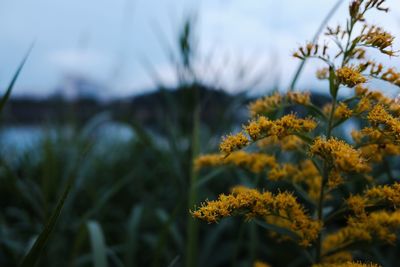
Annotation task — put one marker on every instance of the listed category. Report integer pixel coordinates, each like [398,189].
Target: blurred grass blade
[133,233]
[34,253]
[7,94]
[174,261]
[99,251]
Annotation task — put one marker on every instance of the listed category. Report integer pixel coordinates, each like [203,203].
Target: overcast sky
[109,40]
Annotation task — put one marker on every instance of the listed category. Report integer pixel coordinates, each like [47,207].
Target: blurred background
[119,97]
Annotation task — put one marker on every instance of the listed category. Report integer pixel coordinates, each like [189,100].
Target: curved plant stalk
[315,38]
[10,87]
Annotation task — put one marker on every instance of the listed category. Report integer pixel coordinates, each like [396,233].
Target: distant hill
[146,109]
[153,109]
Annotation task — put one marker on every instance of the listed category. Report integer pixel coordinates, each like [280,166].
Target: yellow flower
[209,160]
[281,172]
[363,105]
[389,193]
[378,117]
[271,103]
[252,203]
[302,98]
[286,125]
[350,76]
[375,144]
[357,204]
[255,162]
[231,143]
[266,104]
[334,179]
[341,155]
[342,111]
[376,37]
[379,226]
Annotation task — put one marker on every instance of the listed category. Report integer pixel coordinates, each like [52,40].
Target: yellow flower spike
[357,204]
[265,105]
[273,102]
[378,116]
[252,203]
[363,105]
[350,76]
[360,90]
[281,172]
[231,143]
[301,98]
[209,160]
[378,38]
[255,162]
[285,126]
[334,179]
[375,144]
[385,193]
[341,155]
[342,111]
[376,226]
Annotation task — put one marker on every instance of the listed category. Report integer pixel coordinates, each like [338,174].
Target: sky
[123,44]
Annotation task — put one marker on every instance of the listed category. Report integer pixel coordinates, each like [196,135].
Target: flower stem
[334,88]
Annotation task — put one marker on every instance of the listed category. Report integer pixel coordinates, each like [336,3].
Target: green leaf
[7,94]
[332,82]
[32,257]
[133,234]
[99,250]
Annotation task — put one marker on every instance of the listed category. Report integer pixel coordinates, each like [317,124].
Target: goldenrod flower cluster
[377,70]
[374,144]
[255,162]
[380,225]
[350,76]
[382,120]
[342,111]
[342,156]
[376,37]
[388,195]
[266,104]
[318,168]
[273,102]
[231,143]
[287,125]
[369,99]
[252,203]
[263,127]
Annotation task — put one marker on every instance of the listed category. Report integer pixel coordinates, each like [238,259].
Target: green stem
[192,225]
[326,169]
